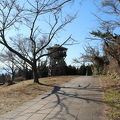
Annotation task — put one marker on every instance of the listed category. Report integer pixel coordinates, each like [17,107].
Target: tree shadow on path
[61,95]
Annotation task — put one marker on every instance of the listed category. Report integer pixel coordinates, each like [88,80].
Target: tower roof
[57,46]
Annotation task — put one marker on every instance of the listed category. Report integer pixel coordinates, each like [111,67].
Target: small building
[57,63]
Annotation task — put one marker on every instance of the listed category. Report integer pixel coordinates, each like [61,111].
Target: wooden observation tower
[57,63]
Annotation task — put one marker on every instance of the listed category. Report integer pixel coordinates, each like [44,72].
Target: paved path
[80,99]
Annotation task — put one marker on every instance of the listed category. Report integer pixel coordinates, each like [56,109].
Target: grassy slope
[112,97]
[15,95]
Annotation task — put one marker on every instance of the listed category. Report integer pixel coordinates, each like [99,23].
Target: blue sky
[80,28]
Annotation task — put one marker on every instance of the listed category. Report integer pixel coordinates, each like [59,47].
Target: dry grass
[13,96]
[111,85]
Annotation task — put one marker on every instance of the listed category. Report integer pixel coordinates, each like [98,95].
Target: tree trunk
[13,76]
[11,81]
[119,64]
[35,74]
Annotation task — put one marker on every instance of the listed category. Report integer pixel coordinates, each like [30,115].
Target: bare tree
[28,18]
[110,8]
[111,44]
[92,55]
[108,26]
[9,65]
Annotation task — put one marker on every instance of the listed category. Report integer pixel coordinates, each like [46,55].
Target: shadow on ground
[61,95]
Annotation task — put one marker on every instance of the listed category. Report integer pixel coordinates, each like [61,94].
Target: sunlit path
[80,99]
